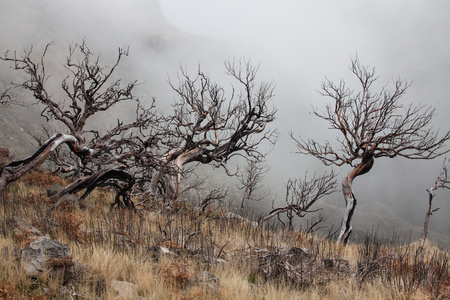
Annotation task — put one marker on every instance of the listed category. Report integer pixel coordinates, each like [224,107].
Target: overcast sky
[302,41]
[298,43]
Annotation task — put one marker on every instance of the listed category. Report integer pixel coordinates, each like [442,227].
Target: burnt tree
[7,98]
[301,195]
[442,182]
[88,89]
[371,125]
[250,181]
[209,126]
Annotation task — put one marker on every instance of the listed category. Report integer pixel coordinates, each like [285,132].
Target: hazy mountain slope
[382,219]
[156,50]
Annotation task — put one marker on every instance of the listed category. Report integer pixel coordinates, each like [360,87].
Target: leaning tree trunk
[350,200]
[17,169]
[172,169]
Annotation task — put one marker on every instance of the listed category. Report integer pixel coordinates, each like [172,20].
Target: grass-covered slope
[155,253]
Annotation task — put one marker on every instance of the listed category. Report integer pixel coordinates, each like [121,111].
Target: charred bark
[441,182]
[427,216]
[350,200]
[279,210]
[118,179]
[96,157]
[16,169]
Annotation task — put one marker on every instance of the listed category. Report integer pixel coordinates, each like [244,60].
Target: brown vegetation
[166,254]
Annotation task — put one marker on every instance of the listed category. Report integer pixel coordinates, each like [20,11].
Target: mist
[297,43]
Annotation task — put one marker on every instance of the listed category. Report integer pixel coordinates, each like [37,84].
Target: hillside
[155,253]
[155,49]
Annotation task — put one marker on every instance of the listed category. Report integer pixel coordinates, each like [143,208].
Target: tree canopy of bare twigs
[250,181]
[89,88]
[442,182]
[371,125]
[209,126]
[301,194]
[7,98]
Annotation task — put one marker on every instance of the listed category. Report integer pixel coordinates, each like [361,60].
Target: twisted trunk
[346,228]
[17,169]
[172,168]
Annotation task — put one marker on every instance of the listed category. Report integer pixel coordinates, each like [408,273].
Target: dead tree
[88,89]
[7,97]
[442,182]
[209,126]
[250,181]
[301,195]
[371,125]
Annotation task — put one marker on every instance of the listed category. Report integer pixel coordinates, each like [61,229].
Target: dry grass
[114,245]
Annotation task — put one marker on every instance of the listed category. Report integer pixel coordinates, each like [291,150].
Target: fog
[297,43]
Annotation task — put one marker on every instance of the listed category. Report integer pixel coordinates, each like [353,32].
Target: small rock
[124,289]
[21,226]
[155,252]
[52,191]
[206,279]
[67,201]
[45,253]
[165,250]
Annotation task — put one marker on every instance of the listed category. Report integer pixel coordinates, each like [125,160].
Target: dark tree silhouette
[7,98]
[208,126]
[250,181]
[371,125]
[88,89]
[301,195]
[442,182]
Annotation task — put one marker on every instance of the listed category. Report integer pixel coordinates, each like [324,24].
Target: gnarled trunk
[17,169]
[350,200]
[172,169]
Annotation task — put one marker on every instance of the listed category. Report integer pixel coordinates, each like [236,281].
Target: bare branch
[302,194]
[371,125]
[209,126]
[88,89]
[442,182]
[375,123]
[250,180]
